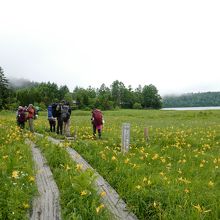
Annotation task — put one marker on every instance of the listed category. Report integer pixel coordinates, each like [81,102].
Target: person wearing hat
[20,116]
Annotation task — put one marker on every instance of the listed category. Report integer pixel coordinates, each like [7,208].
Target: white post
[125,137]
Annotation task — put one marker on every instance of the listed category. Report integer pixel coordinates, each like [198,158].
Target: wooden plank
[46,205]
[112,200]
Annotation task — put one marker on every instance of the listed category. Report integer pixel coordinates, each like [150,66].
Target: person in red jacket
[97,121]
[30,117]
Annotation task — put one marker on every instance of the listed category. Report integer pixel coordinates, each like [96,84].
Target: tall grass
[79,199]
[17,181]
[173,175]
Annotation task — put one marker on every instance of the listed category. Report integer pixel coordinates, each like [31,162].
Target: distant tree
[117,91]
[138,97]
[62,92]
[69,98]
[81,97]
[151,98]
[4,90]
[137,106]
[92,96]
[103,100]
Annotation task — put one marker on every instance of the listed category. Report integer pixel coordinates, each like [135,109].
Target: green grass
[17,182]
[79,199]
[175,175]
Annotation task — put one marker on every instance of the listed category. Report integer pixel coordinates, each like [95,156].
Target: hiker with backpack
[51,118]
[21,117]
[97,122]
[65,115]
[31,116]
[59,118]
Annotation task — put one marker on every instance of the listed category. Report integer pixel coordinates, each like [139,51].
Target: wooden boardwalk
[46,205]
[112,200]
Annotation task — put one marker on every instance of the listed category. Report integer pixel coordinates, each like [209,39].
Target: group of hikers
[59,113]
[24,114]
[58,117]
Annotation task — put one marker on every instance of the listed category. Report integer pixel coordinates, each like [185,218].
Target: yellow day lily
[83,193]
[15,174]
[103,193]
[26,205]
[98,209]
[79,167]
[210,184]
[31,179]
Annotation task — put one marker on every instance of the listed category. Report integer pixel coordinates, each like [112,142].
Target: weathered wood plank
[46,205]
[112,200]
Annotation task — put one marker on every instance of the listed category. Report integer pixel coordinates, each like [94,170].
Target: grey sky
[174,45]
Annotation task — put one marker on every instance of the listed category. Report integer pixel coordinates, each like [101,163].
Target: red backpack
[97,115]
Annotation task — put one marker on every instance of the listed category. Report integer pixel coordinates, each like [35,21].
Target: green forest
[24,92]
[42,94]
[192,100]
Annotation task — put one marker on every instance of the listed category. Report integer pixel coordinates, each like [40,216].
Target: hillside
[192,100]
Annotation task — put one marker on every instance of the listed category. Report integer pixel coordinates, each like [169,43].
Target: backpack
[54,110]
[21,117]
[65,115]
[97,115]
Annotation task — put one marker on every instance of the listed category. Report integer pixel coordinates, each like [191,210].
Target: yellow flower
[163,160]
[67,167]
[201,209]
[162,173]
[79,167]
[184,180]
[26,205]
[126,160]
[5,157]
[98,209]
[113,158]
[210,184]
[149,182]
[31,178]
[138,187]
[83,193]
[103,156]
[198,207]
[186,190]
[165,178]
[155,156]
[15,174]
[103,193]
[145,179]
[134,165]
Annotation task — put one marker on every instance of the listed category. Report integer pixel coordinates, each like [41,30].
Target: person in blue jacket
[51,119]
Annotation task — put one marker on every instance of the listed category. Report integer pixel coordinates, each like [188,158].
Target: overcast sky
[172,44]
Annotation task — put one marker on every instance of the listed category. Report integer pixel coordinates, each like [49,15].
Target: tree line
[105,98]
[192,100]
